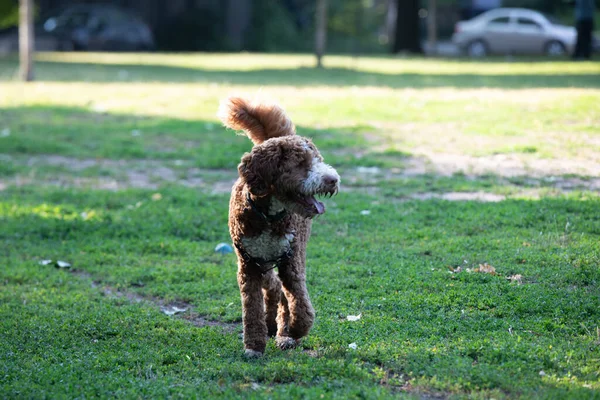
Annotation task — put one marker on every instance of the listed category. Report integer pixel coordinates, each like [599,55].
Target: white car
[514,31]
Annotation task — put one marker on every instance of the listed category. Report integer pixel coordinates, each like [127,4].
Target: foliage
[356,26]
[274,28]
[198,29]
[353,26]
[9,13]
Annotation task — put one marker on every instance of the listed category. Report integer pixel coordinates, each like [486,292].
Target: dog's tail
[259,120]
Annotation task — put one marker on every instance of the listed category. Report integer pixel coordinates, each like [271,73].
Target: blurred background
[353,26]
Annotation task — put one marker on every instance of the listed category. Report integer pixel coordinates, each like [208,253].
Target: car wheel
[555,48]
[477,49]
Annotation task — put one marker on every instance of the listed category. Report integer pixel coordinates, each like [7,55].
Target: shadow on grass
[84,133]
[56,71]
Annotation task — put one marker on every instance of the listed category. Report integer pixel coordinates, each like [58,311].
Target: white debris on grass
[354,317]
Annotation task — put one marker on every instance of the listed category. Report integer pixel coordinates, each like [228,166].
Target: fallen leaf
[515,278]
[354,317]
[486,269]
[454,270]
[156,196]
[173,310]
[63,264]
[45,262]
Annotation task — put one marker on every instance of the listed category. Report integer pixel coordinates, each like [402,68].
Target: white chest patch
[267,246]
[275,207]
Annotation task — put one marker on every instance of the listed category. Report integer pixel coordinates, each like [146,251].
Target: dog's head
[291,169]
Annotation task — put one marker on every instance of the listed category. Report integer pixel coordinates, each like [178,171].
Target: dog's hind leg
[255,327]
[271,286]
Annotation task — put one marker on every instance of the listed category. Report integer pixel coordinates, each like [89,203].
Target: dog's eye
[304,162]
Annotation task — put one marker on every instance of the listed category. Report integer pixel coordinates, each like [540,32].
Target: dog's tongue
[319,207]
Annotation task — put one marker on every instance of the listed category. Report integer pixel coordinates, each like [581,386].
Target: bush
[199,29]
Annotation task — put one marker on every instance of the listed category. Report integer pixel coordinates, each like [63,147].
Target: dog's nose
[330,180]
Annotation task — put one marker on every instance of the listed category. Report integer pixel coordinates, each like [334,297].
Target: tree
[321,31]
[26,39]
[432,26]
[407,27]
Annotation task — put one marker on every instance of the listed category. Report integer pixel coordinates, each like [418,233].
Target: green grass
[387,247]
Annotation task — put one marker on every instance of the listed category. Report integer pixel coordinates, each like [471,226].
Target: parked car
[514,31]
[85,27]
[9,41]
[100,27]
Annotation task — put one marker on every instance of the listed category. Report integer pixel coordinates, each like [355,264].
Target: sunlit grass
[387,65]
[527,123]
[389,247]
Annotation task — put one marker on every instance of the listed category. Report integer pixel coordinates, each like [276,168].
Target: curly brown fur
[270,214]
[260,121]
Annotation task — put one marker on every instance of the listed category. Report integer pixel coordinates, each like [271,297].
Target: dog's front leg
[255,327]
[300,315]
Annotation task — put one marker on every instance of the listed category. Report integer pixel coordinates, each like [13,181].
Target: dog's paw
[285,342]
[249,353]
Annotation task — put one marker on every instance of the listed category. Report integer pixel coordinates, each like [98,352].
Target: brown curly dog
[270,214]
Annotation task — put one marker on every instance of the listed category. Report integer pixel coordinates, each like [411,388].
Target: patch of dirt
[178,309]
[460,196]
[123,174]
[151,174]
[557,174]
[311,353]
[501,165]
[200,321]
[510,166]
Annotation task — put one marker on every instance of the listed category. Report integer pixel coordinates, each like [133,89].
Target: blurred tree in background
[9,13]
[197,28]
[353,26]
[408,30]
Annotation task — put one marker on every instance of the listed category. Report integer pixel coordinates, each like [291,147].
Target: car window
[116,17]
[499,21]
[76,19]
[528,22]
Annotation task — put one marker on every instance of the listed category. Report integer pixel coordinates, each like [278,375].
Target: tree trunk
[26,40]
[407,35]
[321,31]
[432,26]
[239,13]
[390,19]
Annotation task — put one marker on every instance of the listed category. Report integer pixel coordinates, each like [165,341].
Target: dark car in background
[100,28]
[87,28]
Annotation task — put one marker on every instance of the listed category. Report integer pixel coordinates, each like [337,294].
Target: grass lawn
[466,234]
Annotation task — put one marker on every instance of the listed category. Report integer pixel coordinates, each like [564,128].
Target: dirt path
[561,175]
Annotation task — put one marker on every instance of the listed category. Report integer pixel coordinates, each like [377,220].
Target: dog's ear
[259,169]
